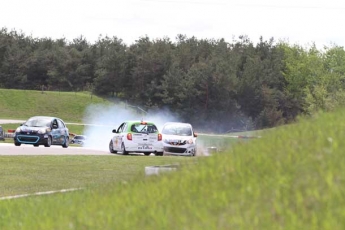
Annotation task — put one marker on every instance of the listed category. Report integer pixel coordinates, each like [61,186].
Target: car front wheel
[49,142]
[66,143]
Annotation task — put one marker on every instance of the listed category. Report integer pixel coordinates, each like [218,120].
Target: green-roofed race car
[136,137]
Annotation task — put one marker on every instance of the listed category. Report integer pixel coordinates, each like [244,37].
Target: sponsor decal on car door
[118,141]
[118,136]
[115,142]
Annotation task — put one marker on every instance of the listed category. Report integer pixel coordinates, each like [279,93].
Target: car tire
[111,147]
[66,144]
[49,142]
[17,143]
[36,145]
[159,153]
[123,149]
[147,154]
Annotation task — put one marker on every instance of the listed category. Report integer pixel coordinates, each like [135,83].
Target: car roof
[177,123]
[44,117]
[139,121]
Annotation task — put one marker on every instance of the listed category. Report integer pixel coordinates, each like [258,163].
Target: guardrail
[8,135]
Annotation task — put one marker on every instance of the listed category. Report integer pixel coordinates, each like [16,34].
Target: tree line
[213,84]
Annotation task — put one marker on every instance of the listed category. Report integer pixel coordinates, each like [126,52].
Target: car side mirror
[114,131]
[195,135]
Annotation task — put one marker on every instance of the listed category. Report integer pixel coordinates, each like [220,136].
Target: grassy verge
[22,104]
[291,178]
[29,174]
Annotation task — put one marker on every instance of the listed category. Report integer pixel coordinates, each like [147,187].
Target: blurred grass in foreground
[291,178]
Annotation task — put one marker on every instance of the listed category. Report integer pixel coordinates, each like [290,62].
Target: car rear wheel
[36,145]
[49,142]
[66,143]
[111,147]
[147,154]
[17,143]
[123,149]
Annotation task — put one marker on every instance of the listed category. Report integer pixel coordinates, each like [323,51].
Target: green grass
[30,174]
[291,178]
[222,142]
[22,104]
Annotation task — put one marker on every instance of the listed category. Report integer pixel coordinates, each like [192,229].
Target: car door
[56,134]
[63,132]
[118,137]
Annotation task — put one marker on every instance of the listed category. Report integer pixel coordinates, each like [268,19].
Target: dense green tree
[15,50]
[110,70]
[82,63]
[214,84]
[150,60]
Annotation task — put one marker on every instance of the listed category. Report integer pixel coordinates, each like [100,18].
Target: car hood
[177,137]
[28,128]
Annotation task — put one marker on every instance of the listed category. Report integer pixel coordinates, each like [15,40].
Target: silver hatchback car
[179,139]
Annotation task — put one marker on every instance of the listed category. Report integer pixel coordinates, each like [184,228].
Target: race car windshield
[177,130]
[38,123]
[142,128]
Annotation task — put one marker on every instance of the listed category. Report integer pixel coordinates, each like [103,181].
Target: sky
[301,22]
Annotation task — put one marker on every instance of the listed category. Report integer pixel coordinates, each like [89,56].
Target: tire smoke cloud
[101,119]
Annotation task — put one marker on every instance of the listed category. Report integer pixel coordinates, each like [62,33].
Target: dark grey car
[2,134]
[42,130]
[78,139]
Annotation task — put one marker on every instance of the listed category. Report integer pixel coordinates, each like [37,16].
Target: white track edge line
[39,193]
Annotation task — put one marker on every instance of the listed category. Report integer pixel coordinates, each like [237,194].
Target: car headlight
[18,130]
[190,141]
[42,131]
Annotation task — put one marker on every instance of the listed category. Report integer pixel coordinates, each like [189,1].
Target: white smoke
[101,119]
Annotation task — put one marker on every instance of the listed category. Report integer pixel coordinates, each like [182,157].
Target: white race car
[179,139]
[136,137]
